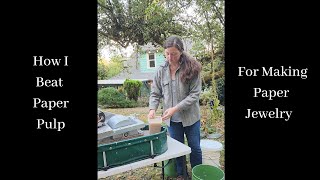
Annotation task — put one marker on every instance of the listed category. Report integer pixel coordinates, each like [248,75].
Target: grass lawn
[150,172]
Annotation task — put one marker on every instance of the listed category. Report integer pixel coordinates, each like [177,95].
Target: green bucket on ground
[170,168]
[207,172]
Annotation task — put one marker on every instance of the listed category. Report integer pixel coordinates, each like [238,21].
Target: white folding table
[175,149]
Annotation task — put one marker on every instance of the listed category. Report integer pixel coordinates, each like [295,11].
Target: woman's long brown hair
[189,66]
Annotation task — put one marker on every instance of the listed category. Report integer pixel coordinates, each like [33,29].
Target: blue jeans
[192,132]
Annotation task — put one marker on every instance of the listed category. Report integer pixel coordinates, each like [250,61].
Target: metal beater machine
[115,127]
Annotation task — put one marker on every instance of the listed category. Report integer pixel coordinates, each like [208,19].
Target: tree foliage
[208,27]
[107,70]
[135,22]
[102,70]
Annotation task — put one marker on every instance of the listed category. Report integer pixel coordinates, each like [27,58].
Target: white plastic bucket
[210,152]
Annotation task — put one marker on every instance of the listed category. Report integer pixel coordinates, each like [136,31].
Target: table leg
[162,164]
[184,167]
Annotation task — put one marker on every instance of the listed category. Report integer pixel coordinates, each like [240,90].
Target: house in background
[141,66]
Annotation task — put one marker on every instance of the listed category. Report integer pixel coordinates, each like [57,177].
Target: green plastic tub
[132,150]
[207,172]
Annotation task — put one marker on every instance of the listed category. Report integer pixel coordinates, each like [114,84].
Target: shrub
[132,88]
[205,96]
[111,98]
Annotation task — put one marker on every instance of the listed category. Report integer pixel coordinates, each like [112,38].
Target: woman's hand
[169,112]
[151,114]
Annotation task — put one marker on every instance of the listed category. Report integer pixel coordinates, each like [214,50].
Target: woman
[178,83]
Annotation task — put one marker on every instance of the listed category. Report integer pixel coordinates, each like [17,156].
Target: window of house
[151,60]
